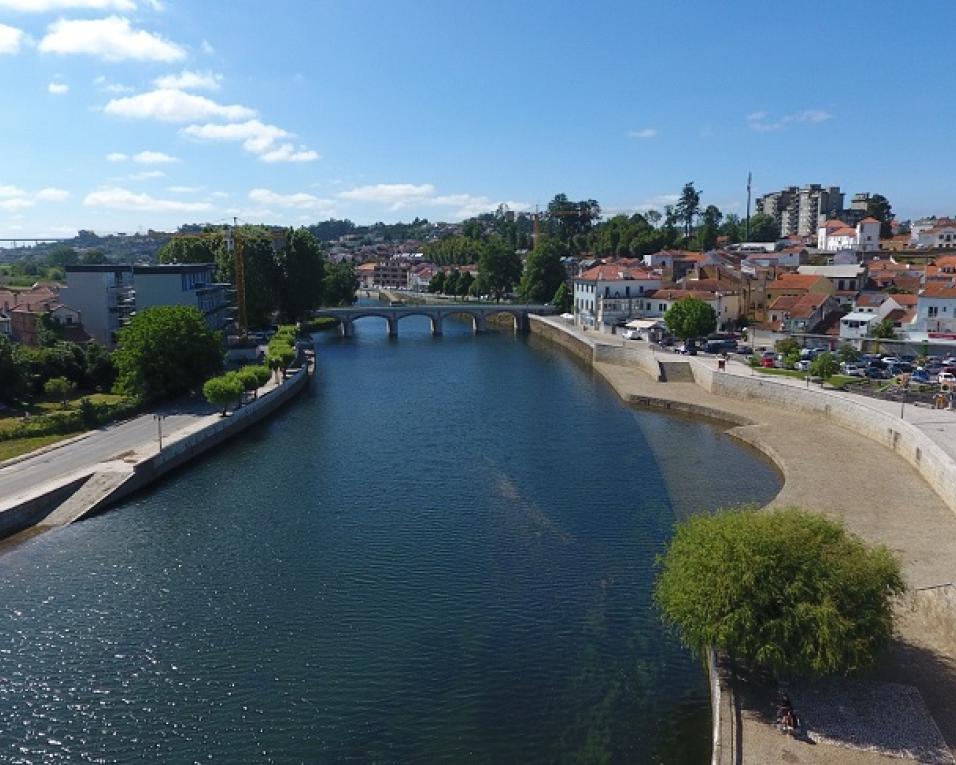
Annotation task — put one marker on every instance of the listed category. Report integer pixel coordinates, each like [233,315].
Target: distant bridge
[478,313]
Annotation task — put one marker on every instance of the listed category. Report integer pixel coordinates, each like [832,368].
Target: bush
[321,324]
[252,377]
[824,366]
[86,417]
[787,345]
[59,388]
[786,590]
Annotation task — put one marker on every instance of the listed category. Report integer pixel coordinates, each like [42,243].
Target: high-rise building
[798,211]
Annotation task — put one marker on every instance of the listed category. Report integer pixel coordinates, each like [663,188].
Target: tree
[763,228]
[878,206]
[249,376]
[884,330]
[301,270]
[847,352]
[166,351]
[688,206]
[465,282]
[824,366]
[732,228]
[13,378]
[340,284]
[690,318]
[543,272]
[451,282]
[562,299]
[223,390]
[788,591]
[98,366]
[437,283]
[93,258]
[499,268]
[200,248]
[786,345]
[59,388]
[707,234]
[262,274]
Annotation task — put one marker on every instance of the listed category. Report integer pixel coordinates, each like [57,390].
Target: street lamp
[159,427]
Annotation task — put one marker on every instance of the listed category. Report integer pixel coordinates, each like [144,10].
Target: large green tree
[562,299]
[198,248]
[788,591]
[878,206]
[301,271]
[499,268]
[340,284]
[566,219]
[224,390]
[262,274]
[13,374]
[543,272]
[763,228]
[688,206]
[690,318]
[166,351]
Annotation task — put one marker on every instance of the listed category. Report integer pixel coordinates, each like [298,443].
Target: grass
[837,381]
[11,419]
[18,446]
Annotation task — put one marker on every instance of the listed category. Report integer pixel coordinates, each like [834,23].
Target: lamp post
[159,428]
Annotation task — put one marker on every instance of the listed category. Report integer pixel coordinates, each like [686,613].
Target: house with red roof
[612,292]
[835,235]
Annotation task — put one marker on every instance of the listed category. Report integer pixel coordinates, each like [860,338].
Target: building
[726,306]
[798,314]
[392,273]
[25,321]
[190,284]
[936,309]
[939,236]
[607,294]
[795,285]
[798,211]
[849,278]
[103,294]
[835,235]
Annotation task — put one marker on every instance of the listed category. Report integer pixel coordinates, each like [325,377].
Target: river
[443,553]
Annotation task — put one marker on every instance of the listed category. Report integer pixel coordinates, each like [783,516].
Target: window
[932,311]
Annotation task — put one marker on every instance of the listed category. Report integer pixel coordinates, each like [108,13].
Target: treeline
[284,276]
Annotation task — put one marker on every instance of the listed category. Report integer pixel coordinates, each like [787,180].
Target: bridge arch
[519,318]
[477,317]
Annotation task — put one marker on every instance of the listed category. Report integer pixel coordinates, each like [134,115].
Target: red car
[767,362]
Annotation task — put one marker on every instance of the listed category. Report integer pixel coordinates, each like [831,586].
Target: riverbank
[827,468]
[76,491]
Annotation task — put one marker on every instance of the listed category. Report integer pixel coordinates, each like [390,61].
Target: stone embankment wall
[193,444]
[930,460]
[32,511]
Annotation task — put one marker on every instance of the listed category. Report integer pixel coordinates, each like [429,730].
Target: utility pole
[749,178]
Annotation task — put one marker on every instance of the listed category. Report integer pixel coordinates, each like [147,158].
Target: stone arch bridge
[479,315]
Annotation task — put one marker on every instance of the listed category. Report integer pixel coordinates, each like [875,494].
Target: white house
[940,236]
[835,235]
[607,294]
[857,325]
[726,306]
[936,309]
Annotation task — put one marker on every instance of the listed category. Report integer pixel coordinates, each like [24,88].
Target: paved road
[24,477]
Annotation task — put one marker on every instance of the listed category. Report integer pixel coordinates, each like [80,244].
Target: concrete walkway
[876,493]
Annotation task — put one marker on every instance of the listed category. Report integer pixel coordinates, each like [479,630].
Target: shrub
[59,388]
[824,366]
[785,590]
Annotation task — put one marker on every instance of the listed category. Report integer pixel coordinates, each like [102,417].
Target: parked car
[768,355]
[745,350]
[631,334]
[803,365]
[687,350]
[767,362]
[876,373]
[947,378]
[920,376]
[853,370]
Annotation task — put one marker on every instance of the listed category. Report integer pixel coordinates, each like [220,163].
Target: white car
[631,334]
[946,377]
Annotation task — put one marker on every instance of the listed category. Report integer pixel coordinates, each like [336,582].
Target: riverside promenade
[830,469]
[61,483]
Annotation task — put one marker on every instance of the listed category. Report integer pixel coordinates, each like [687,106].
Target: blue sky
[120,115]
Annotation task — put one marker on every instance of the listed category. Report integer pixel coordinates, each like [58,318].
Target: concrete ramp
[676,371]
[90,496]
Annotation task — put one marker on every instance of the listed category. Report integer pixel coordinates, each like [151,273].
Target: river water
[443,553]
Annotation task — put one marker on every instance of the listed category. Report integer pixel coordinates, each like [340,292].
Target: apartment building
[798,211]
[192,284]
[103,294]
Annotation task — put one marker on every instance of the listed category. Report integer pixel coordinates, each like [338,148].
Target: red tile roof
[613,272]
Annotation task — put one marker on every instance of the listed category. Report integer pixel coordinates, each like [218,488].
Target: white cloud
[170,105]
[257,138]
[43,6]
[112,39]
[188,80]
[15,198]
[287,152]
[58,88]
[760,122]
[184,189]
[10,40]
[395,195]
[154,158]
[112,87]
[299,201]
[207,48]
[116,156]
[123,199]
[643,133]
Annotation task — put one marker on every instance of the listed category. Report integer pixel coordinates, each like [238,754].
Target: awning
[644,323]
